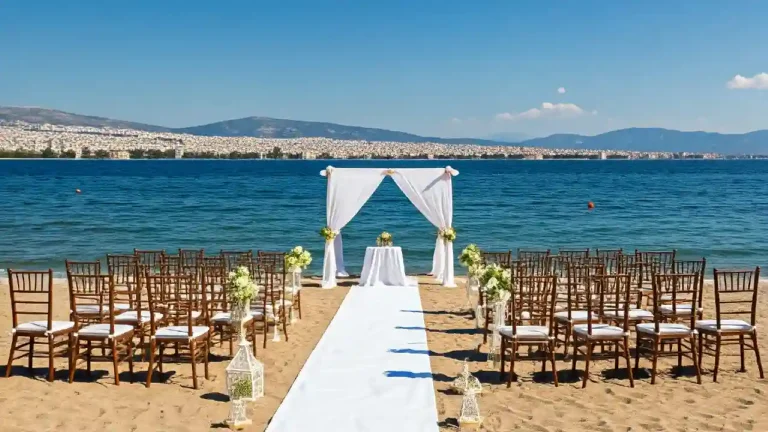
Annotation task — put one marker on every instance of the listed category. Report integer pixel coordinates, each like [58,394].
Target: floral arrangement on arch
[448,234]
[298,259]
[384,239]
[240,287]
[471,258]
[328,233]
[496,282]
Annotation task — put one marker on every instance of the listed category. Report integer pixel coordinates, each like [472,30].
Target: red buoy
[590,205]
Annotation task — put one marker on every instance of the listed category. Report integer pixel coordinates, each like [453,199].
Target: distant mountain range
[636,139]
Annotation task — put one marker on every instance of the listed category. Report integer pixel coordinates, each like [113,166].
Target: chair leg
[552,359]
[285,319]
[130,358]
[567,339]
[298,302]
[757,353]
[717,357]
[253,336]
[741,349]
[575,345]
[512,364]
[207,352]
[637,352]
[151,361]
[50,358]
[590,347]
[70,338]
[31,354]
[700,338]
[502,349]
[194,363]
[160,349]
[74,354]
[616,356]
[629,366]
[656,347]
[266,329]
[9,366]
[487,323]
[88,356]
[115,353]
[679,353]
[693,357]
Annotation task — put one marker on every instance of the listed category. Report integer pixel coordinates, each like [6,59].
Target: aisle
[368,373]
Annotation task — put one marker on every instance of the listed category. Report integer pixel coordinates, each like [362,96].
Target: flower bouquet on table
[297,259]
[328,233]
[448,234]
[384,239]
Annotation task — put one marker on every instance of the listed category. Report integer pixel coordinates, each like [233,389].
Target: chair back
[533,301]
[574,254]
[123,271]
[675,290]
[664,259]
[536,265]
[86,291]
[576,286]
[214,279]
[532,254]
[174,297]
[275,259]
[609,293]
[272,276]
[736,294]
[83,267]
[235,259]
[608,253]
[503,259]
[31,295]
[151,259]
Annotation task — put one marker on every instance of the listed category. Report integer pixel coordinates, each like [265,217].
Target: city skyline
[449,71]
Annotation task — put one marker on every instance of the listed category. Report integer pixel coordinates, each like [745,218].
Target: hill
[36,115]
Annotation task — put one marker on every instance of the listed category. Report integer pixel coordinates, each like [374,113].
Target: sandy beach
[735,403]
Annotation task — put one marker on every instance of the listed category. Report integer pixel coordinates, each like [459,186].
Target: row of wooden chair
[147,296]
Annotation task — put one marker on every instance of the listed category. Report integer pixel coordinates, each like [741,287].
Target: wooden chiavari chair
[214,279]
[181,331]
[636,313]
[605,294]
[684,289]
[688,267]
[575,303]
[271,306]
[31,295]
[532,302]
[502,259]
[293,298]
[139,315]
[608,253]
[234,259]
[736,297]
[118,338]
[85,293]
[151,259]
[122,269]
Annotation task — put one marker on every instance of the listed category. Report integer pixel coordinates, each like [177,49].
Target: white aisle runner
[370,372]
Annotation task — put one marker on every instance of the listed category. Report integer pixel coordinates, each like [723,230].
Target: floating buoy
[77,191]
[590,205]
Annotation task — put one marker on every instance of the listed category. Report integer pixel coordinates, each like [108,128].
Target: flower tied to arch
[448,234]
[328,233]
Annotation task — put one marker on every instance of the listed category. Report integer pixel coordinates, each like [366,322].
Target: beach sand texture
[736,403]
[33,404]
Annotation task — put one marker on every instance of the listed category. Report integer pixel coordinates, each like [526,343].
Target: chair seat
[132,317]
[196,314]
[91,309]
[102,330]
[180,332]
[634,314]
[526,333]
[122,307]
[726,326]
[666,329]
[680,309]
[41,327]
[576,316]
[226,318]
[600,331]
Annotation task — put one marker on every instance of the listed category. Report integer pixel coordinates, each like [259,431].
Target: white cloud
[456,120]
[561,90]
[547,109]
[759,81]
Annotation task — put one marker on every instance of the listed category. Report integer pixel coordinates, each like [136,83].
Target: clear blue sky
[445,68]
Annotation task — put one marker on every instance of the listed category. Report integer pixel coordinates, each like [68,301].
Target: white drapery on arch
[429,189]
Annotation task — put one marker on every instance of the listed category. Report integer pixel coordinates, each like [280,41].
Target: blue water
[716,209]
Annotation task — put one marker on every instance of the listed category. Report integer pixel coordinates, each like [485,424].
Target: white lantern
[470,411]
[494,348]
[466,380]
[237,418]
[245,374]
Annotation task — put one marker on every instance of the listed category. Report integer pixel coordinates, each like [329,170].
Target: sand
[33,404]
[736,403]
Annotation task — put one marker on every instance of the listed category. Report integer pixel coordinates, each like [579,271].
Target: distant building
[119,154]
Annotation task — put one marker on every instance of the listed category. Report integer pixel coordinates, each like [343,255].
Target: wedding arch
[429,190]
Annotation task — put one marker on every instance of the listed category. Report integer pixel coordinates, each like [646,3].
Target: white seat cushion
[575,316]
[196,314]
[102,330]
[226,318]
[600,331]
[41,327]
[726,326]
[122,307]
[634,314]
[131,317]
[680,309]
[526,332]
[665,329]
[91,309]
[278,303]
[180,332]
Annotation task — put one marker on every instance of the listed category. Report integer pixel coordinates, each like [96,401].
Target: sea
[702,208]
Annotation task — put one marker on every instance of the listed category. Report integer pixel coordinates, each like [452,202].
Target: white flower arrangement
[298,259]
[328,233]
[240,287]
[472,259]
[384,239]
[496,282]
[448,234]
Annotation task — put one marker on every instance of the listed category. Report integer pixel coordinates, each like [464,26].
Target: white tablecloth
[384,267]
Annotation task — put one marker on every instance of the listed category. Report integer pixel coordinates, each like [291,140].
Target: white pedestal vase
[294,287]
[245,374]
[494,349]
[473,287]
